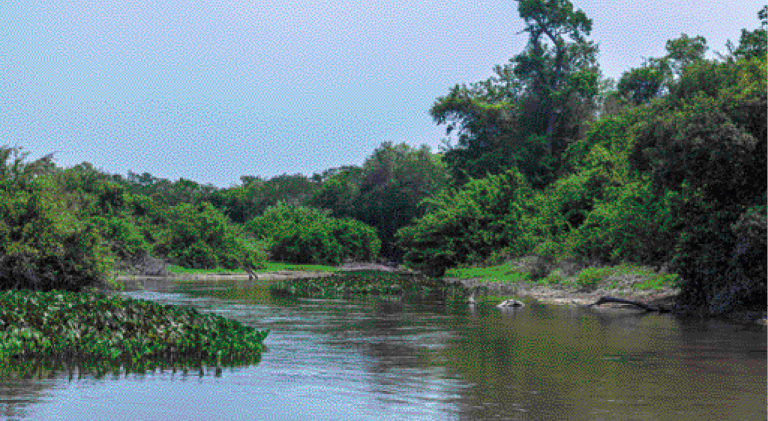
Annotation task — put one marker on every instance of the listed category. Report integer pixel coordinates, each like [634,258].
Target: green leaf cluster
[385,191]
[199,236]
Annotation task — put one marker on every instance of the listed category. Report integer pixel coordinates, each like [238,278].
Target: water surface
[378,359]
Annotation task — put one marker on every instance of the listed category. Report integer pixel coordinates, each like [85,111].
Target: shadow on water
[360,359]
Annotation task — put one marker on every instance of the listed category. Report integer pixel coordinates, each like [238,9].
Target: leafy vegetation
[96,327]
[504,273]
[368,283]
[533,108]
[299,234]
[42,246]
[671,172]
[385,192]
[467,225]
[545,161]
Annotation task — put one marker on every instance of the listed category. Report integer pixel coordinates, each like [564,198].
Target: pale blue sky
[211,90]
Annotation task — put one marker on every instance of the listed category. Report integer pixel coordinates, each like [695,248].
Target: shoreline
[545,294]
[561,295]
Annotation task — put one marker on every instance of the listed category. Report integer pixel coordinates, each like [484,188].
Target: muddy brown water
[378,359]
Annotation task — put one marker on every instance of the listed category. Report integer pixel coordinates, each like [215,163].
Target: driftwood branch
[645,307]
[252,276]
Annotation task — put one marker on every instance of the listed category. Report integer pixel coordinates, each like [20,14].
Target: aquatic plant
[98,327]
[368,283]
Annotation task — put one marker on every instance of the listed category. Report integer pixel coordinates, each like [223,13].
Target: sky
[210,90]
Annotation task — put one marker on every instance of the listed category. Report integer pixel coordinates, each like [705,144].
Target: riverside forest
[553,175]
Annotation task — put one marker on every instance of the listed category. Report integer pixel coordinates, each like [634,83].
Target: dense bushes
[386,191]
[467,225]
[300,234]
[42,245]
[200,237]
[677,181]
[67,229]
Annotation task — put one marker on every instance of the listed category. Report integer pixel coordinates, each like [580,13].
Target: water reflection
[369,359]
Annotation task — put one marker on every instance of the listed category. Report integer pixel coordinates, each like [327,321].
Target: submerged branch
[645,307]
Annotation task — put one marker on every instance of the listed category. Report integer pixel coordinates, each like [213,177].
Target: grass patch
[661,281]
[504,273]
[279,267]
[179,270]
[590,278]
[97,328]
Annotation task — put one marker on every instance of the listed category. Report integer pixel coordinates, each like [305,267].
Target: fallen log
[604,300]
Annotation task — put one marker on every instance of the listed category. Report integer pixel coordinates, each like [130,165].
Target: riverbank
[666,297]
[635,283]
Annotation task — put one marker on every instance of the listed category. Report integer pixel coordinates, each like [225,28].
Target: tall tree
[527,114]
[386,191]
[558,62]
[753,43]
[657,75]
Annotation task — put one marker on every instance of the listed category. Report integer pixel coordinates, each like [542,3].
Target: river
[372,359]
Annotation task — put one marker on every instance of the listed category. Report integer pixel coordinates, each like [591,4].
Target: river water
[372,359]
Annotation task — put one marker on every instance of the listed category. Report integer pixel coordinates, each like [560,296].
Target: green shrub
[300,234]
[469,224]
[590,278]
[43,245]
[123,237]
[556,277]
[200,237]
[633,225]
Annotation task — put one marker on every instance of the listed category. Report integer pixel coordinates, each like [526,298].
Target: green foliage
[533,108]
[367,283]
[657,75]
[556,277]
[166,192]
[199,236]
[753,44]
[666,280]
[279,266]
[243,203]
[300,234]
[95,327]
[42,245]
[711,148]
[504,273]
[123,237]
[386,191]
[590,278]
[468,224]
[642,84]
[633,225]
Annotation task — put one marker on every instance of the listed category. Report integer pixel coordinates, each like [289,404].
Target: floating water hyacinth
[98,327]
[367,283]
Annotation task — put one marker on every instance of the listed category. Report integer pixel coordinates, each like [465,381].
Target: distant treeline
[665,167]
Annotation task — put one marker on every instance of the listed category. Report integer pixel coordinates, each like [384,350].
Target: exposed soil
[560,295]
